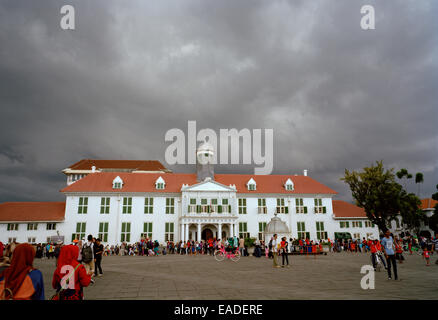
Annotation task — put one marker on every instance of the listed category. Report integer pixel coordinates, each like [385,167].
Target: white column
[182,232]
[233,226]
[187,232]
[219,231]
[199,232]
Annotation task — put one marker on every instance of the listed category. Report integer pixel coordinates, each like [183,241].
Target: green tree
[382,198]
[433,220]
[404,173]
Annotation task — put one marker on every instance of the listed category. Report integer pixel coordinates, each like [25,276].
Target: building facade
[125,205]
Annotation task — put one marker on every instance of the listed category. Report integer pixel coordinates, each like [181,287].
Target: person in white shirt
[275,251]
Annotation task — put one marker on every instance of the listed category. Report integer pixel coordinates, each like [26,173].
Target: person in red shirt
[353,246]
[426,256]
[284,252]
[375,248]
[68,265]
[398,250]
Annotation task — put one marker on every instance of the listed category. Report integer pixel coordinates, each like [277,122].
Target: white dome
[276,226]
[205,147]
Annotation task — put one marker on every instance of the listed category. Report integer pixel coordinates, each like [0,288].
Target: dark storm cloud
[337,96]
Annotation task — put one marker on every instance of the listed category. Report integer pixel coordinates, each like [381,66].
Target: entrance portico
[205,228]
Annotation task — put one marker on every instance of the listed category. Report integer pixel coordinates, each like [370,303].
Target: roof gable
[209,185]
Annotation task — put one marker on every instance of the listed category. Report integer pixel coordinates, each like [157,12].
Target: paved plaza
[333,276]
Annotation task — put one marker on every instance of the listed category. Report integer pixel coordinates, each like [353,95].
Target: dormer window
[160,184]
[251,185]
[117,183]
[289,185]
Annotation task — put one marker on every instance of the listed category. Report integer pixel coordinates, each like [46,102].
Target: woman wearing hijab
[21,281]
[76,273]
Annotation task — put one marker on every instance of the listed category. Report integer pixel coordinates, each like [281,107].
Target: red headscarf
[21,265]
[67,256]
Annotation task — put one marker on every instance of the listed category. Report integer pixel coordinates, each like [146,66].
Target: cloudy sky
[336,96]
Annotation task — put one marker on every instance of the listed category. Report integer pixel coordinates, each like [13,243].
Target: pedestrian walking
[78,277]
[88,254]
[241,246]
[284,252]
[435,246]
[388,249]
[98,257]
[275,251]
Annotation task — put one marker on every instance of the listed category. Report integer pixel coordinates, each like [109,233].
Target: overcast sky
[336,96]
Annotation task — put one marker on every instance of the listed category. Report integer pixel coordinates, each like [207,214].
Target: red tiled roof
[145,182]
[32,211]
[274,183]
[428,203]
[141,165]
[343,209]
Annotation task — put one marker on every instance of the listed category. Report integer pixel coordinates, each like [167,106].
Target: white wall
[22,234]
[137,218]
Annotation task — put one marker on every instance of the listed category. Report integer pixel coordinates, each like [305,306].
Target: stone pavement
[334,276]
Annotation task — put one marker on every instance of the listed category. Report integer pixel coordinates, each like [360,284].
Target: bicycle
[379,261]
[220,254]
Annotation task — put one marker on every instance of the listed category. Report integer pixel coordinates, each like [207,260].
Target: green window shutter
[305,209]
[324,210]
[78,227]
[106,227]
[286,209]
[219,209]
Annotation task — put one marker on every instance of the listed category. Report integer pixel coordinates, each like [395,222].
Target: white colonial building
[123,201]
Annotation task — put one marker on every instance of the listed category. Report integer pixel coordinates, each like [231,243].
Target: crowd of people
[79,263]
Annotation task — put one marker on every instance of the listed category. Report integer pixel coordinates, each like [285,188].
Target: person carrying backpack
[77,276]
[88,255]
[21,281]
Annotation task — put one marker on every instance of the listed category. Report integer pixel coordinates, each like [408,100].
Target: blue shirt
[388,244]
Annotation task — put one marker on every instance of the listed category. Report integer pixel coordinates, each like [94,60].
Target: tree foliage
[382,198]
[433,220]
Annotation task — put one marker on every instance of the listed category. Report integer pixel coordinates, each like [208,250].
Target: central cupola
[204,162]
